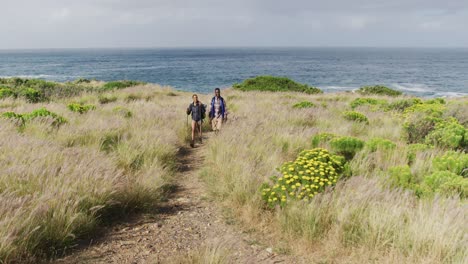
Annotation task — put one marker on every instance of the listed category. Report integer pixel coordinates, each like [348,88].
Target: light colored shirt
[217,107]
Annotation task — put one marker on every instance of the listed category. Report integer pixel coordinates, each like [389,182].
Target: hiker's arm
[189,110]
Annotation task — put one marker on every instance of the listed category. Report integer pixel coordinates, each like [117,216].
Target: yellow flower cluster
[308,175]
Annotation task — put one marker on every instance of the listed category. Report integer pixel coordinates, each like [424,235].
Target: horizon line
[233,47]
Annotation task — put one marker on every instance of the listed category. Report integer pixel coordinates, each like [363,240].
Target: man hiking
[218,111]
[197,109]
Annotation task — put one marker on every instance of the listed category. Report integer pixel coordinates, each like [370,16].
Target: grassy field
[60,181]
[374,213]
[72,161]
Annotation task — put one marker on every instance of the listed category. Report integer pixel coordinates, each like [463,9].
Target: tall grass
[61,183]
[362,219]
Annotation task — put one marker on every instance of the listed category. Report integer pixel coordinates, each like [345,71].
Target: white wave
[35,76]
[412,87]
[341,88]
[450,94]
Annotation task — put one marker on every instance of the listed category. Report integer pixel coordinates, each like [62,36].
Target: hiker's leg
[213,124]
[194,126]
[200,127]
[219,123]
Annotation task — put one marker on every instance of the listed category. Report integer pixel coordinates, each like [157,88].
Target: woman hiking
[197,109]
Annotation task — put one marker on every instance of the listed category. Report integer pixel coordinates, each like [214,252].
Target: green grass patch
[378,90]
[304,104]
[80,108]
[115,85]
[355,116]
[275,84]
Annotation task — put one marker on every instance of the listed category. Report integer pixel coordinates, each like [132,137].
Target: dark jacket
[197,111]
[222,106]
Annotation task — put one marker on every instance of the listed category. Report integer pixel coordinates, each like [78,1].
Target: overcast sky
[197,23]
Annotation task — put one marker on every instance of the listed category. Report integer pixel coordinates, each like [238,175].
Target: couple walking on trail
[218,114]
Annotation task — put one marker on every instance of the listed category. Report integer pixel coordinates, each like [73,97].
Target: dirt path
[187,222]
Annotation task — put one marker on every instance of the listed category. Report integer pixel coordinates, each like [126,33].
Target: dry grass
[361,220]
[57,184]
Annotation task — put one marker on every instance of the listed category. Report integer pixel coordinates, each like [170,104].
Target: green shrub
[402,105]
[304,104]
[274,84]
[82,80]
[434,110]
[18,118]
[105,99]
[367,101]
[379,90]
[346,146]
[120,85]
[420,120]
[355,116]
[400,176]
[123,111]
[32,95]
[110,141]
[448,183]
[379,144]
[80,108]
[322,138]
[6,92]
[448,134]
[455,162]
[133,97]
[413,149]
[308,175]
[42,112]
[436,101]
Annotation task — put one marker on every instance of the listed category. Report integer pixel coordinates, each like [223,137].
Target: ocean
[425,72]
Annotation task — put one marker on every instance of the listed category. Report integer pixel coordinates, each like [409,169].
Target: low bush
[6,92]
[413,149]
[355,116]
[448,134]
[447,183]
[304,104]
[120,85]
[375,144]
[275,84]
[378,90]
[400,176]
[80,108]
[367,101]
[347,146]
[42,112]
[32,95]
[322,138]
[309,174]
[123,111]
[402,105]
[455,162]
[105,99]
[436,101]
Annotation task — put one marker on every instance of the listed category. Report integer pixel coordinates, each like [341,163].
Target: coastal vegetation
[275,84]
[333,177]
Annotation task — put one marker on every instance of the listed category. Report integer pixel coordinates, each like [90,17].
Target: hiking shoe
[192,144]
[201,140]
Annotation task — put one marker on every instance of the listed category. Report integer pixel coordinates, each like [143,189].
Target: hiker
[218,111]
[197,109]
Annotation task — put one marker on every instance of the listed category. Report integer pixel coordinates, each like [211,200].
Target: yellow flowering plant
[311,172]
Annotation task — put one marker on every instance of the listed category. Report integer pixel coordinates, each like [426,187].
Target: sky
[31,24]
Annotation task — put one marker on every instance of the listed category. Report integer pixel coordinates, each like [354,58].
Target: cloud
[149,23]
